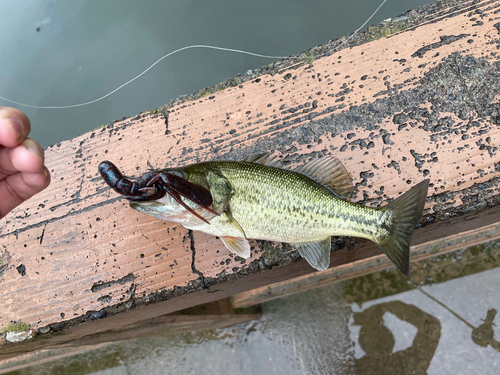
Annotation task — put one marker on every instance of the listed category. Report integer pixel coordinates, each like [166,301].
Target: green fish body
[261,199]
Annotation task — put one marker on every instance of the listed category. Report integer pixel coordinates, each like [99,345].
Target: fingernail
[33,147]
[17,126]
[46,171]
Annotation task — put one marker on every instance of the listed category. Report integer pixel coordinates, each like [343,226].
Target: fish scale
[285,206]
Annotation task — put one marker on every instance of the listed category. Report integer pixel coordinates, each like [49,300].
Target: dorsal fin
[266,159]
[329,172]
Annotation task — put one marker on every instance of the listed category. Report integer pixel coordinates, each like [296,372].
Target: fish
[259,198]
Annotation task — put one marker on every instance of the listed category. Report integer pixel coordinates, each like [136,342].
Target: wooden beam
[412,98]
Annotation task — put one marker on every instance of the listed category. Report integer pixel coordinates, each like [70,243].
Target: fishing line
[172,53]
[447,308]
[141,74]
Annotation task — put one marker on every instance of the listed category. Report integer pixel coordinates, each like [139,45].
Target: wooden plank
[419,103]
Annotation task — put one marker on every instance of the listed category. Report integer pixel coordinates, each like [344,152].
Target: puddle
[440,321]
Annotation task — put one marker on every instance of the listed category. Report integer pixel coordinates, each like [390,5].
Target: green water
[58,52]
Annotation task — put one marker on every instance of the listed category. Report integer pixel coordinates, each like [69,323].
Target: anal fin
[316,253]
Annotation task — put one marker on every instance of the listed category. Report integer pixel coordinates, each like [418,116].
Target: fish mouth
[167,209]
[166,204]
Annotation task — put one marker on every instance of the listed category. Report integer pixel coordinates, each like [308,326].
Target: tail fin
[406,213]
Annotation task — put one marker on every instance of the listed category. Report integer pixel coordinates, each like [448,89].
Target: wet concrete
[441,322]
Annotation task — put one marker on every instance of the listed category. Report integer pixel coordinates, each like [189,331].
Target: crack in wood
[193,250]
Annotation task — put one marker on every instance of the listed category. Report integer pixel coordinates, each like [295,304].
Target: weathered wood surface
[420,103]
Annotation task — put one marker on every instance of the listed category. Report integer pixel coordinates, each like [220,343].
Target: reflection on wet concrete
[378,341]
[439,269]
[483,335]
[440,321]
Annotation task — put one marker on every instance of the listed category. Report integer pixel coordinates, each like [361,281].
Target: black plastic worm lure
[154,185]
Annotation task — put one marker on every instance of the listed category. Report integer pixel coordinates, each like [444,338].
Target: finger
[14,127]
[27,157]
[16,188]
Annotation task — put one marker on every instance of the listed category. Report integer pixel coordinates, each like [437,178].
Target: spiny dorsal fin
[329,172]
[266,159]
[316,253]
[238,246]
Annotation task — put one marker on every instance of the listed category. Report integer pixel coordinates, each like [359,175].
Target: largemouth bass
[306,206]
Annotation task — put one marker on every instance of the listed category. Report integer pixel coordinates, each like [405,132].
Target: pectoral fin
[234,223]
[238,246]
[316,253]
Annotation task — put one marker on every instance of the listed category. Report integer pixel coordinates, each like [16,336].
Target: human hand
[22,169]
